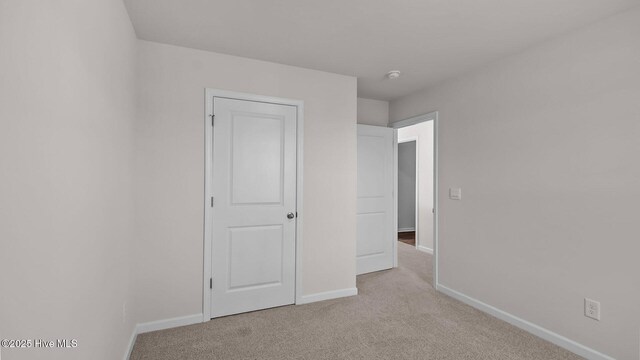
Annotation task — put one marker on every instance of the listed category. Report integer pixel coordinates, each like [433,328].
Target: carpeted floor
[397,315]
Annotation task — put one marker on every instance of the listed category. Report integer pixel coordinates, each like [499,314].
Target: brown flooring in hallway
[397,315]
[407,237]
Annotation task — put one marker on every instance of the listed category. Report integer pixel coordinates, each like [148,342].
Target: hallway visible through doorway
[415,182]
[407,237]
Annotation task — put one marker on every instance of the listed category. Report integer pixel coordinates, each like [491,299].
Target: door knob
[290,215]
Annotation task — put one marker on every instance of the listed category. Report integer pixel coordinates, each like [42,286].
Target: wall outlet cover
[592,309]
[455,193]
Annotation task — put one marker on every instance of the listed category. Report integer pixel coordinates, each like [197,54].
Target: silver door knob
[290,215]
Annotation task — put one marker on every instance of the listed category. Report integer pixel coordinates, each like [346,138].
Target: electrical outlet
[455,194]
[592,309]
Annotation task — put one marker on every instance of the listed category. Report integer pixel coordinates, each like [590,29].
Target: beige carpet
[397,315]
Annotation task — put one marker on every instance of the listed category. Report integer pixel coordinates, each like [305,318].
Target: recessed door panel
[257,158]
[370,242]
[255,257]
[371,152]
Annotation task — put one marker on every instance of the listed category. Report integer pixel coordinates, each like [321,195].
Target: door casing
[208,166]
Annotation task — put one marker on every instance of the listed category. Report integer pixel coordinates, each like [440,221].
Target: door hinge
[212,118]
[212,201]
[210,283]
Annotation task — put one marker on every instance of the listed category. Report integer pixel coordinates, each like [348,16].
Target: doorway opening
[416,184]
[407,190]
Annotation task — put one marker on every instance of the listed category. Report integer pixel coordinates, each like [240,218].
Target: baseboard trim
[406,229]
[160,325]
[132,341]
[168,323]
[425,249]
[527,326]
[327,295]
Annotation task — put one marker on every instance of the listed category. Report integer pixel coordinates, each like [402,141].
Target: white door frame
[395,197]
[208,176]
[412,121]
[417,199]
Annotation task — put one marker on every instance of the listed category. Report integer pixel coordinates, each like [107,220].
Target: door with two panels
[376,233]
[253,243]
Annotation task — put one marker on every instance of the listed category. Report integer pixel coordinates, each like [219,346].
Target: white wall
[67,98]
[545,146]
[170,171]
[423,133]
[407,186]
[373,112]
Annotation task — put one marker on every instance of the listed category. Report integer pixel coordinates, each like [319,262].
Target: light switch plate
[455,194]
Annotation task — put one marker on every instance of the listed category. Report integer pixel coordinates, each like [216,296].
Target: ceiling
[428,40]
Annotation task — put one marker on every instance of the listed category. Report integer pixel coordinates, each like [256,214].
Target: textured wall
[170,170]
[545,145]
[373,112]
[67,90]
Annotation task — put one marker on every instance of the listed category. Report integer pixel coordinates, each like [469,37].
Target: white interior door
[376,224]
[254,208]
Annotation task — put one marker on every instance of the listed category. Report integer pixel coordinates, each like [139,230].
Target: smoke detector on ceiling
[393,74]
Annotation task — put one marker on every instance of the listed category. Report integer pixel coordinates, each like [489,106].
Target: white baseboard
[327,295]
[168,323]
[132,341]
[425,249]
[527,326]
[406,229]
[160,325]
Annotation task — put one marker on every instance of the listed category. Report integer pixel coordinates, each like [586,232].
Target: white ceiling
[428,40]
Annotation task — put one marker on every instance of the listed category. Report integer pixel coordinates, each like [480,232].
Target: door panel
[257,154]
[249,243]
[254,186]
[370,225]
[376,233]
[371,153]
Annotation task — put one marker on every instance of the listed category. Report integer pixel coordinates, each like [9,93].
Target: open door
[376,224]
